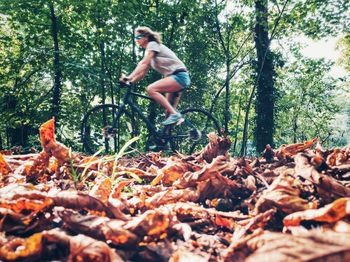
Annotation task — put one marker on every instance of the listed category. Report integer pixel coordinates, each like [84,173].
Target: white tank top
[165,60]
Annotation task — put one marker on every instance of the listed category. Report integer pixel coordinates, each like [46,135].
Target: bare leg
[165,85]
[173,99]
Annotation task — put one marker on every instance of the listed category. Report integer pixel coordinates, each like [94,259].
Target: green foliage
[306,102]
[96,45]
[344,45]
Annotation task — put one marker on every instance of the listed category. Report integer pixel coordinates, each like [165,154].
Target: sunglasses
[138,37]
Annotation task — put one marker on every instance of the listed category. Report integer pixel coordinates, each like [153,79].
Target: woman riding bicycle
[164,61]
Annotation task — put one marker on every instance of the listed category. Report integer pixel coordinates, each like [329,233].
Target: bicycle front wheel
[185,138]
[100,117]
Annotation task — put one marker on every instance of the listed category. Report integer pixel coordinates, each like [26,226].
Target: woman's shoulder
[153,46]
[153,43]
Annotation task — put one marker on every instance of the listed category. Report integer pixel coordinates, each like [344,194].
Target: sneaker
[172,119]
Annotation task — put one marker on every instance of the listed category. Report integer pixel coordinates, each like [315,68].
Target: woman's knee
[151,90]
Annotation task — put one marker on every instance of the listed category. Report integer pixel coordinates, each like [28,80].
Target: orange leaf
[224,222]
[47,132]
[102,189]
[18,248]
[119,187]
[173,170]
[330,213]
[24,203]
[4,167]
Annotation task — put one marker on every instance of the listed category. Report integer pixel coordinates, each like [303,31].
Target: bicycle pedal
[195,134]
[180,121]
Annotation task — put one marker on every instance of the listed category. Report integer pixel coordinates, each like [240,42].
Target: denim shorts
[183,79]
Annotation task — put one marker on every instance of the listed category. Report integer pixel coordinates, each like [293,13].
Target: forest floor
[290,204]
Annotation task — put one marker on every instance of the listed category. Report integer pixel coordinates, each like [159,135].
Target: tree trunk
[246,123]
[227,98]
[103,71]
[237,122]
[17,136]
[264,105]
[57,70]
[295,127]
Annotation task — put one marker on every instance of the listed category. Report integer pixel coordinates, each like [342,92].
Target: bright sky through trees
[324,48]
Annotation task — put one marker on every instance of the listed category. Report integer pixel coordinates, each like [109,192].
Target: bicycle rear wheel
[183,137]
[100,117]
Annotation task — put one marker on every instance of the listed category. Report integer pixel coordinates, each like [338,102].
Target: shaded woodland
[266,189]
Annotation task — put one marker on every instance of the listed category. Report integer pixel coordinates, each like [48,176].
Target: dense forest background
[61,57]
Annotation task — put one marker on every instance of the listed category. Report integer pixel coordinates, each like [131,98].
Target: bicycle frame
[127,101]
[183,136]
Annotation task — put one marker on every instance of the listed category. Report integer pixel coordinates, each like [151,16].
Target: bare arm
[142,67]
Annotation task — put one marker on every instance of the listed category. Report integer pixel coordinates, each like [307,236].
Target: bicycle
[119,126]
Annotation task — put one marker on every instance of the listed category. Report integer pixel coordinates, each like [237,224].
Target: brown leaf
[330,213]
[224,222]
[287,151]
[151,223]
[98,227]
[284,195]
[173,170]
[80,201]
[268,154]
[327,187]
[59,151]
[38,167]
[217,146]
[83,248]
[311,246]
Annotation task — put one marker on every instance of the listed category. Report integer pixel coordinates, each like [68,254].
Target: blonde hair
[151,35]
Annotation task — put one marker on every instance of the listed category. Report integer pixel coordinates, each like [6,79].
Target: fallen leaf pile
[290,204]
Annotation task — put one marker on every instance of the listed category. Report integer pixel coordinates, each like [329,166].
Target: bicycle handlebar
[127,84]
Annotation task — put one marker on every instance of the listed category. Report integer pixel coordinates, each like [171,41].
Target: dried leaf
[173,170]
[80,201]
[59,151]
[83,248]
[327,187]
[19,248]
[284,195]
[98,227]
[287,151]
[306,247]
[151,223]
[183,255]
[217,146]
[102,189]
[47,132]
[4,167]
[38,167]
[21,204]
[268,154]
[224,222]
[330,213]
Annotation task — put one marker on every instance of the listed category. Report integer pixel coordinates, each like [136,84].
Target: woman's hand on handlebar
[124,80]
